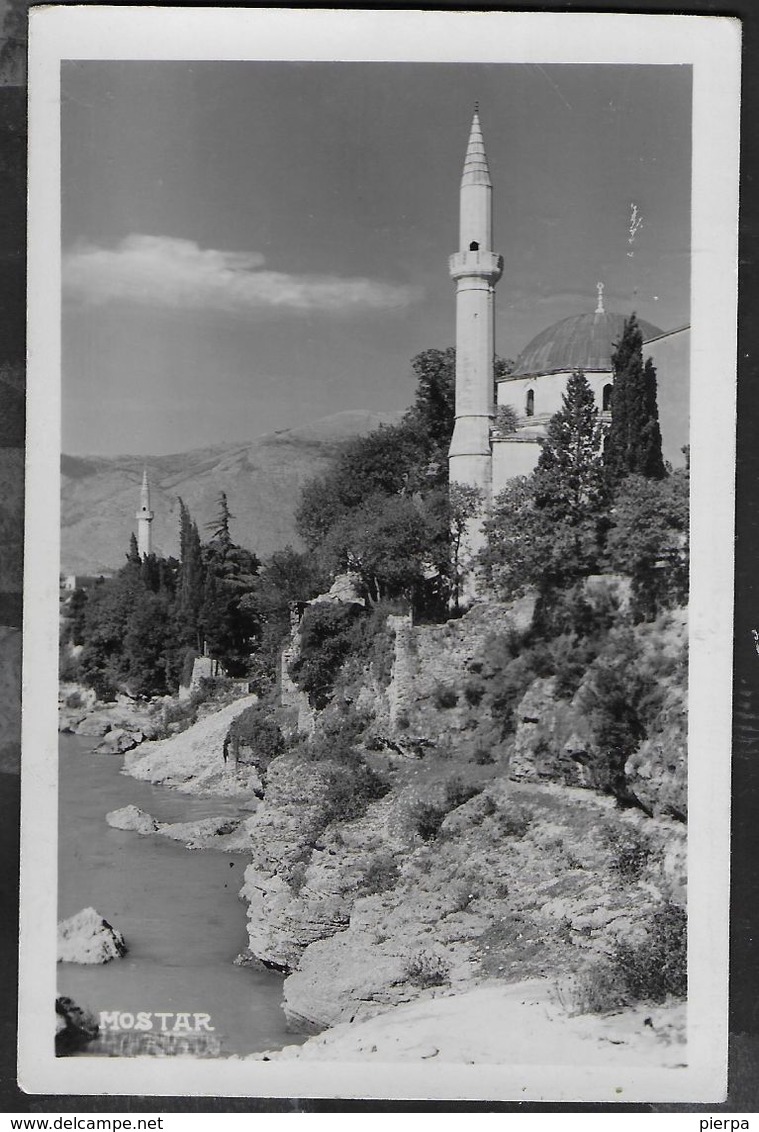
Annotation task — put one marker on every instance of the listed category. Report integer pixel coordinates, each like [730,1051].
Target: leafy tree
[434,407]
[520,537]
[465,503]
[287,577]
[102,662]
[386,541]
[546,530]
[389,461]
[633,444]
[648,539]
[147,642]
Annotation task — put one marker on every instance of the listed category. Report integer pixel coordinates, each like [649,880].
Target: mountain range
[262,480]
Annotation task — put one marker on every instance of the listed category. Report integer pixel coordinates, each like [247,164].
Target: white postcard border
[712,46]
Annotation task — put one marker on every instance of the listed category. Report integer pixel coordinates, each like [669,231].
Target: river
[178,910]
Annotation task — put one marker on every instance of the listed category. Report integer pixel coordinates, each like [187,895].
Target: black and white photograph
[379,554]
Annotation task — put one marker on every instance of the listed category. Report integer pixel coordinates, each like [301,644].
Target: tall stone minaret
[476,269]
[144,518]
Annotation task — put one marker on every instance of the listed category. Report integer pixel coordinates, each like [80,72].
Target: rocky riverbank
[402,892]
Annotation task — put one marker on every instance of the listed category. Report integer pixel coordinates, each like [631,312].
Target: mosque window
[530,403]
[606,398]
[474,246]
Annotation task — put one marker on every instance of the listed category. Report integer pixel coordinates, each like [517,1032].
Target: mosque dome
[584,341]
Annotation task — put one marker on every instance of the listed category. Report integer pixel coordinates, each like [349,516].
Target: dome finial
[476,105]
[600,306]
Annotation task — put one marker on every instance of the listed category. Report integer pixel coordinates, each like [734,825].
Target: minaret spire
[476,171]
[475,269]
[144,518]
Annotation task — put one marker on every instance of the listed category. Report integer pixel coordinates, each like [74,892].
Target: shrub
[297,877]
[74,700]
[657,967]
[445,696]
[473,692]
[463,894]
[430,816]
[598,989]
[372,642]
[613,694]
[350,789]
[325,643]
[515,821]
[350,783]
[482,756]
[337,737]
[382,875]
[425,969]
[630,852]
[256,729]
[572,656]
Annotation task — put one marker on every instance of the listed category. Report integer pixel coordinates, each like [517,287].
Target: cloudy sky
[250,246]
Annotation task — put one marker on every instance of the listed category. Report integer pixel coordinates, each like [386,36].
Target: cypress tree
[569,487]
[633,444]
[568,480]
[190,590]
[652,461]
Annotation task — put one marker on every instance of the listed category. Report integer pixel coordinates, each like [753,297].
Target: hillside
[262,480]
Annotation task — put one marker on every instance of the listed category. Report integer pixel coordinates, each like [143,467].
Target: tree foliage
[391,543]
[648,539]
[138,626]
[546,530]
[633,445]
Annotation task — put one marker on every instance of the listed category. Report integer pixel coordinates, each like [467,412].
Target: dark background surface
[744,997]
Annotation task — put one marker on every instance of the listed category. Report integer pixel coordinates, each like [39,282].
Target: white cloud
[159,270]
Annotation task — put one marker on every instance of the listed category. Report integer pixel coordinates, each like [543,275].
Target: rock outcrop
[88,938]
[193,760]
[132,818]
[519,880]
[74,1028]
[119,726]
[118,740]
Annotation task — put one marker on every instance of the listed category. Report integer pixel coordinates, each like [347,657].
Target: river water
[178,910]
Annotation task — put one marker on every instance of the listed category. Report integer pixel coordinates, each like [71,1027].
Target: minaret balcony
[478,264]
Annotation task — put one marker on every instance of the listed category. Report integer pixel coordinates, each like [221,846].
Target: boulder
[74,1028]
[95,725]
[116,742]
[88,938]
[132,818]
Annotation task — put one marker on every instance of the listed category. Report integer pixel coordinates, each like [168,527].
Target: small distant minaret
[475,268]
[144,518]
